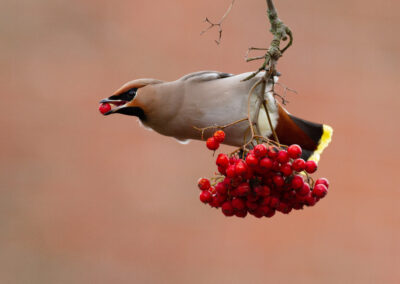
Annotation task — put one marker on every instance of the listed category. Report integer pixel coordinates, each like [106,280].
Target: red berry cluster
[267,180]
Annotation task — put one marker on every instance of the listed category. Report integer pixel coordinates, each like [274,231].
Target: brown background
[89,199]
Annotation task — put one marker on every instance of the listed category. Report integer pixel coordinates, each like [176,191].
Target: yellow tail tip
[323,143]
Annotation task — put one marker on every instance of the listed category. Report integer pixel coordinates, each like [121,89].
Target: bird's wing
[205,76]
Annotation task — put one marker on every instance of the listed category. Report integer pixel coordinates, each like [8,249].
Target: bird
[204,99]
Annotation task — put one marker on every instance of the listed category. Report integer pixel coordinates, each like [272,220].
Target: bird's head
[125,99]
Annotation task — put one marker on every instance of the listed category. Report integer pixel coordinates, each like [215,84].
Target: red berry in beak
[104,108]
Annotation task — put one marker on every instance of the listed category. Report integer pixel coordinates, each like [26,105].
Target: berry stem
[270,123]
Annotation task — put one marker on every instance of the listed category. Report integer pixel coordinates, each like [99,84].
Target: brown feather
[289,133]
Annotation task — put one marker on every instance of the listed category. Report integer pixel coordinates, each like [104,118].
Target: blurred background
[93,199]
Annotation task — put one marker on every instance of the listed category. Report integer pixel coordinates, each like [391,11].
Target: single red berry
[267,190]
[274,202]
[104,108]
[278,180]
[241,213]
[221,188]
[297,182]
[227,181]
[275,166]
[265,201]
[251,160]
[258,213]
[251,205]
[205,196]
[262,190]
[230,171]
[270,213]
[214,202]
[227,208]
[266,163]
[219,135]
[240,168]
[236,181]
[310,200]
[212,144]
[260,150]
[323,181]
[238,204]
[283,207]
[289,195]
[311,167]
[203,183]
[298,206]
[252,197]
[294,151]
[299,165]
[243,189]
[249,174]
[222,160]
[222,170]
[319,190]
[221,198]
[263,209]
[283,157]
[272,152]
[304,190]
[286,169]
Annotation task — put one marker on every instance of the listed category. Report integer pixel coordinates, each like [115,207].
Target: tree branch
[219,24]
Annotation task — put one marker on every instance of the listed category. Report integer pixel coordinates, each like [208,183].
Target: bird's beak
[115,105]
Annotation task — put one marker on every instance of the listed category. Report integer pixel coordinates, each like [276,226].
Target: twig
[219,24]
[218,126]
[283,98]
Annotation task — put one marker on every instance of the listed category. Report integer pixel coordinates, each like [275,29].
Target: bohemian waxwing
[210,98]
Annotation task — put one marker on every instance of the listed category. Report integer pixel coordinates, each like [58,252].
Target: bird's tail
[312,137]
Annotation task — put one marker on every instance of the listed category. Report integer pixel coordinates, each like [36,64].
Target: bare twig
[219,24]
[218,126]
[286,89]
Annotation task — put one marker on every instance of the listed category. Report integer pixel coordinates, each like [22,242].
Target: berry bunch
[267,179]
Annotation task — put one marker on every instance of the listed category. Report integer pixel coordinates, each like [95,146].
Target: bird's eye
[132,92]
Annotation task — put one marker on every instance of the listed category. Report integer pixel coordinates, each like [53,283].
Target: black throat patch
[133,111]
